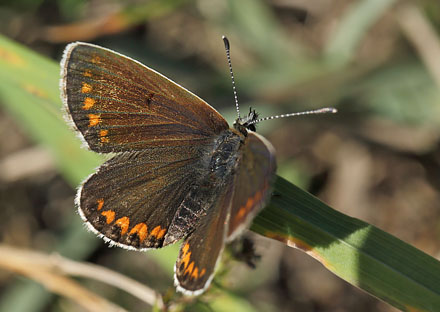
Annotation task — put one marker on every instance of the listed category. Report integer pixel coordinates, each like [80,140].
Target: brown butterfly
[180,171]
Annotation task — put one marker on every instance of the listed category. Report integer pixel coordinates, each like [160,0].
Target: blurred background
[378,159]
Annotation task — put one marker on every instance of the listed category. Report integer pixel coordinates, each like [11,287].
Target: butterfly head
[243,124]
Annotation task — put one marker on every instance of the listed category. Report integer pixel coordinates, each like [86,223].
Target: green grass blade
[356,251]
[29,91]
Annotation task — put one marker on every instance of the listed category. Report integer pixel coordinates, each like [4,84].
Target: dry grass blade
[50,271]
[421,33]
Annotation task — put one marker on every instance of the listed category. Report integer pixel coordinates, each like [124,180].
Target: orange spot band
[195,273]
[123,223]
[88,103]
[189,269]
[95,59]
[110,215]
[100,203]
[141,230]
[185,249]
[86,88]
[185,259]
[94,120]
[156,231]
[161,233]
[250,203]
[202,272]
[103,134]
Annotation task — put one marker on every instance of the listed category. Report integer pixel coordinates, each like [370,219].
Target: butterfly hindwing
[202,249]
[133,198]
[232,211]
[118,104]
[255,174]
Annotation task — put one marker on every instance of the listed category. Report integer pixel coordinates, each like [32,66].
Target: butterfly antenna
[316,111]
[228,55]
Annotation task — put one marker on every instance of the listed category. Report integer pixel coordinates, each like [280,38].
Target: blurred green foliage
[350,54]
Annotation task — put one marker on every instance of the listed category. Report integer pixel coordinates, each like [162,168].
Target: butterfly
[179,172]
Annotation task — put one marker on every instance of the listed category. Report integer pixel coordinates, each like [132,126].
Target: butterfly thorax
[224,153]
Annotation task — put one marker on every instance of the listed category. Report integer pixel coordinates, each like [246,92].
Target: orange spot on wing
[161,233]
[241,213]
[189,269]
[95,59]
[87,73]
[141,230]
[258,196]
[103,134]
[185,259]
[100,203]
[94,120]
[156,232]
[250,203]
[195,273]
[88,103]
[202,272]
[86,88]
[110,215]
[185,249]
[123,223]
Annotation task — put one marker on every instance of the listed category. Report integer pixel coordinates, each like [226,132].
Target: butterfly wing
[255,174]
[119,104]
[238,202]
[133,198]
[201,250]
[162,130]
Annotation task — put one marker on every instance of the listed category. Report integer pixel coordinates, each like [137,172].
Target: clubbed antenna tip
[226,42]
[228,56]
[331,110]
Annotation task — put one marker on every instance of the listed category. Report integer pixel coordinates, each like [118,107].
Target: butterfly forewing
[254,176]
[118,104]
